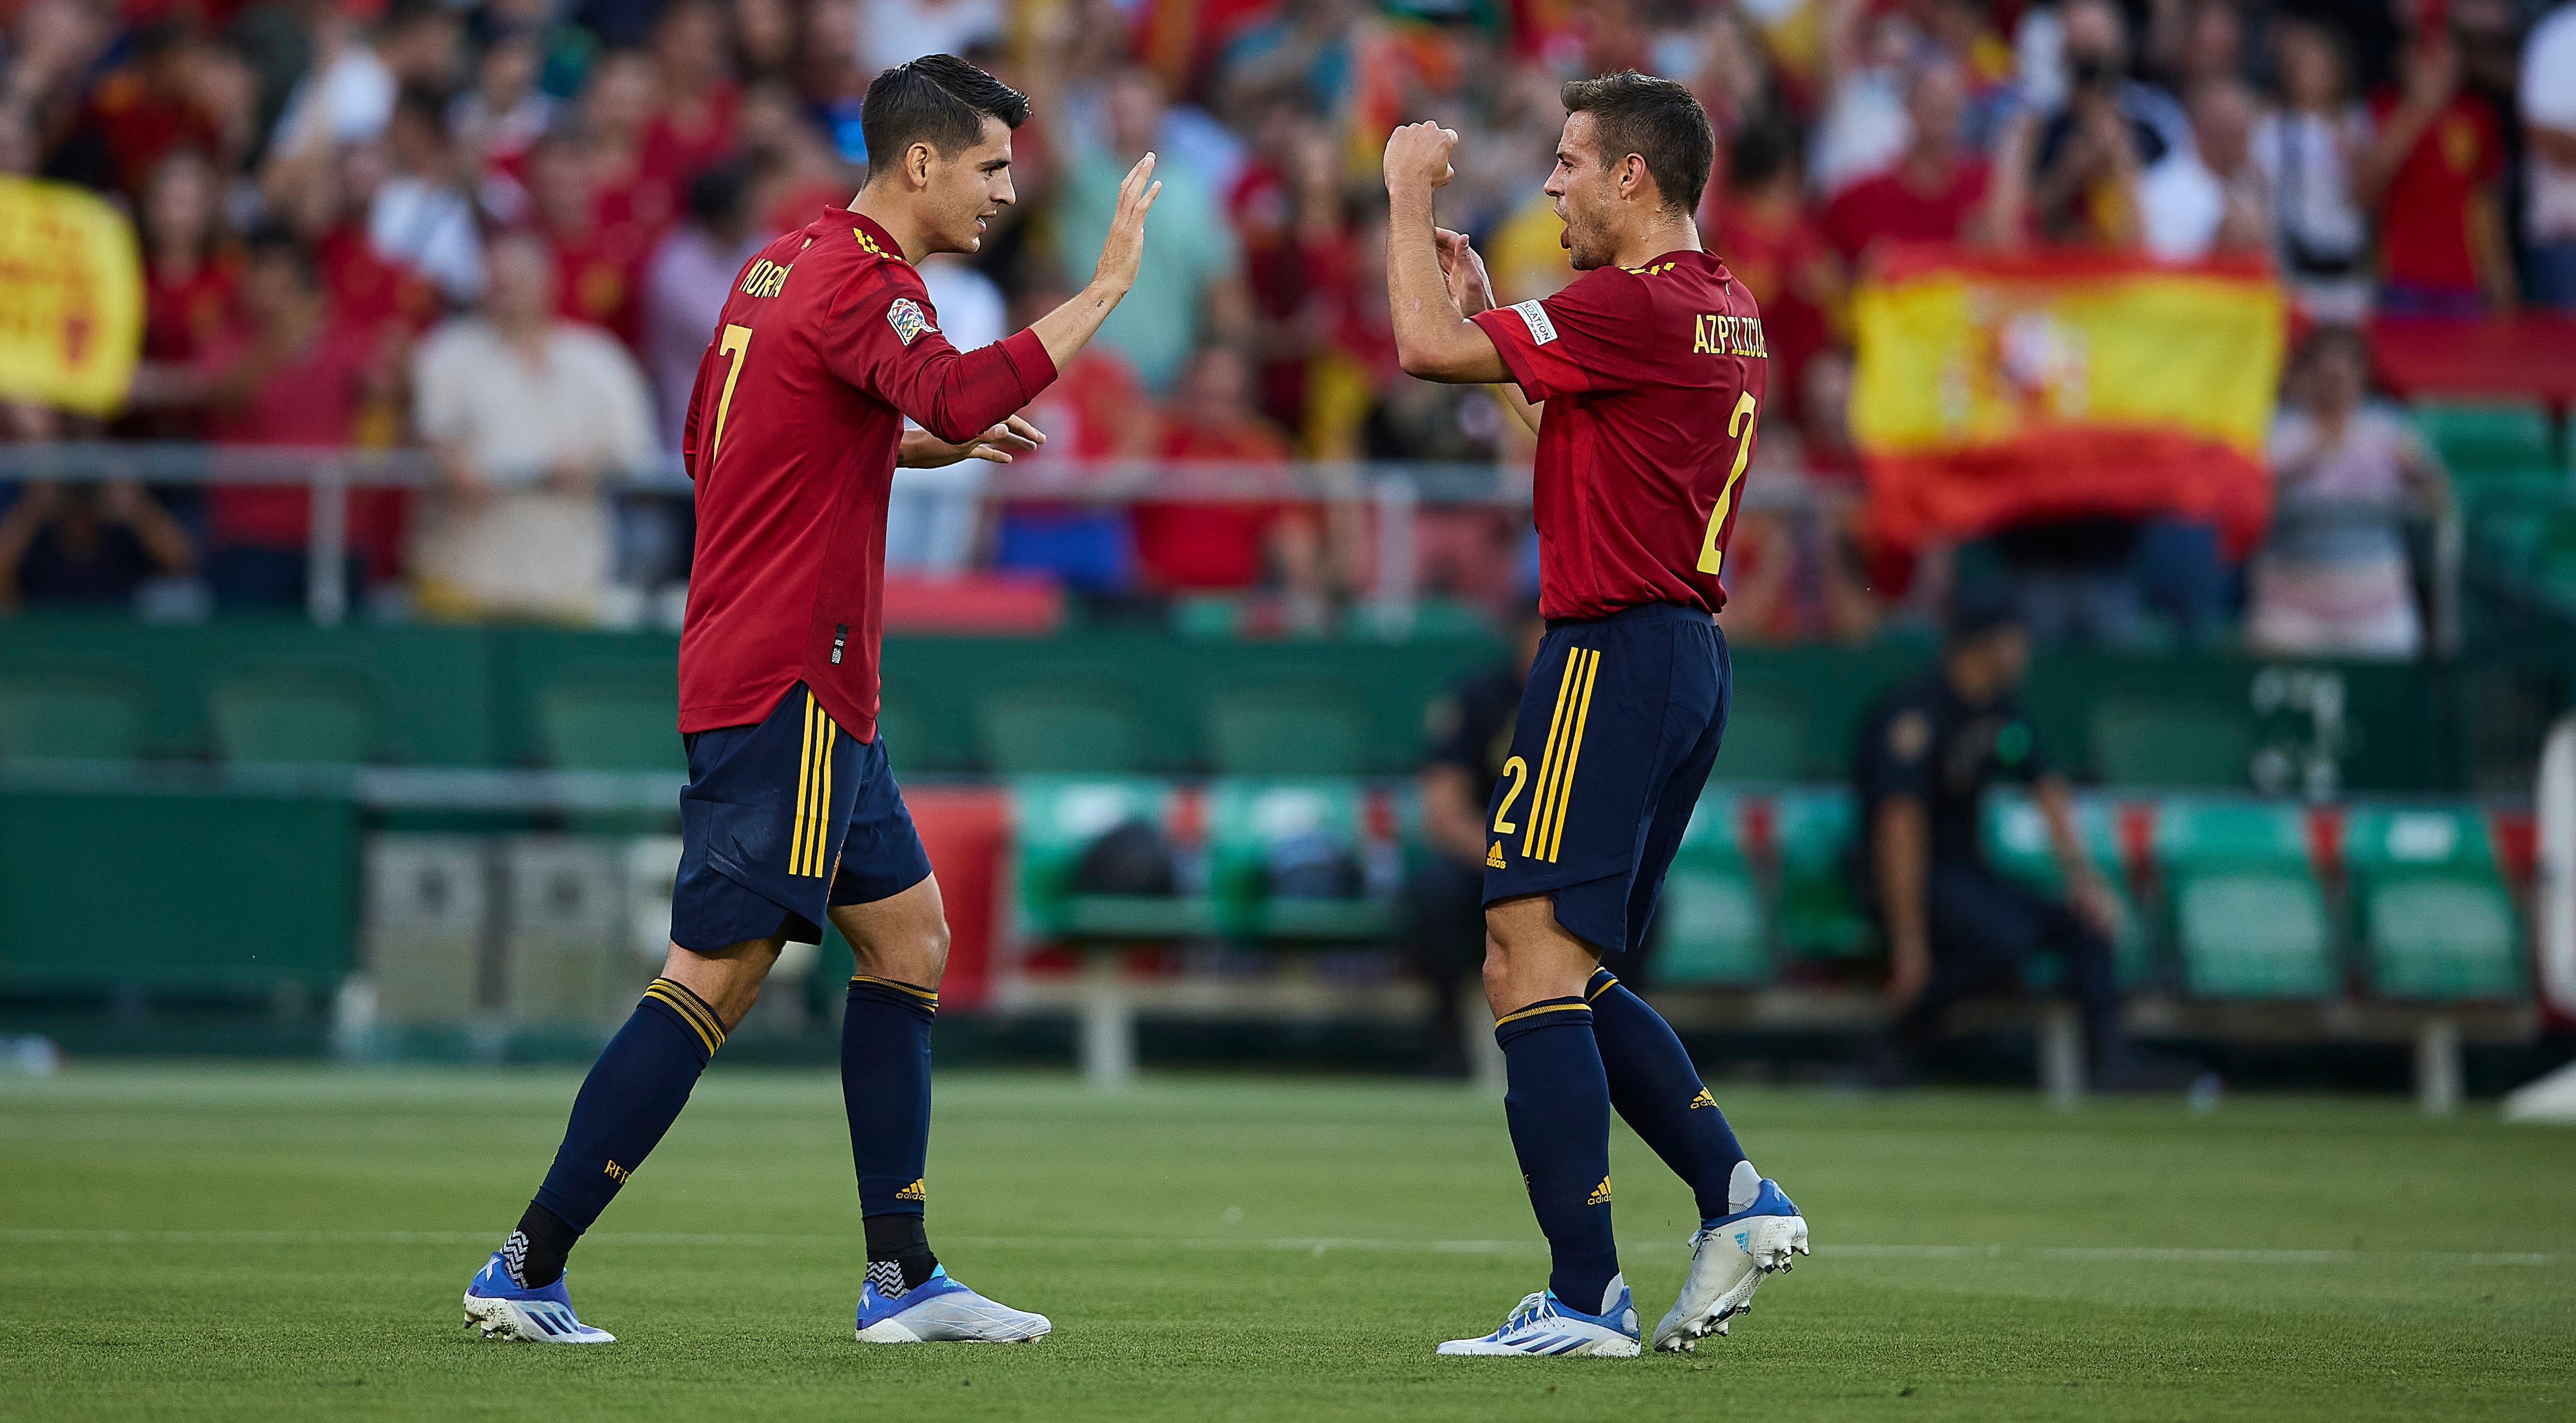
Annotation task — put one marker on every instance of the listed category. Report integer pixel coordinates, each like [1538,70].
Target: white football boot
[1729,1257]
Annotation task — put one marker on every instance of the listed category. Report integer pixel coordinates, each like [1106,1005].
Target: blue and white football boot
[1545,1326]
[940,1310]
[1729,1257]
[503,1309]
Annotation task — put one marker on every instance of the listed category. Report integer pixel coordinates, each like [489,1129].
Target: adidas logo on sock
[917,1191]
[1600,1193]
[1702,1100]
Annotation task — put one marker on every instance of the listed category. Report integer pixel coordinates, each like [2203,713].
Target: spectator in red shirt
[1228,546]
[291,376]
[618,110]
[1286,207]
[190,275]
[138,112]
[599,264]
[1767,241]
[1934,193]
[2431,173]
[695,126]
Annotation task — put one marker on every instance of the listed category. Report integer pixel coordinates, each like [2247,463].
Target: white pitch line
[1314,1245]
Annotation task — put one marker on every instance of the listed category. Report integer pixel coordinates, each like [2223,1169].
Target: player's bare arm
[1434,340]
[1066,329]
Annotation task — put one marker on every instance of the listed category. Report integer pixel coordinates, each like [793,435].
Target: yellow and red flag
[71,298]
[1993,390]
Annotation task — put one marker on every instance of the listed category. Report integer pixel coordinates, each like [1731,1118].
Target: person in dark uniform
[1954,927]
[1469,730]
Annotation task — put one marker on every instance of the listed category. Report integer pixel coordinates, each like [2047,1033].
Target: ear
[917,162]
[1632,177]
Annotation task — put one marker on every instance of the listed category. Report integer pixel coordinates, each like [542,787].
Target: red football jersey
[1653,378]
[827,341]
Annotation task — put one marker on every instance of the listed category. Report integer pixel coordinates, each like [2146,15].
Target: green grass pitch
[203,1241]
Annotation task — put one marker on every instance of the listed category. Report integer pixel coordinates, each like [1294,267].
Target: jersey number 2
[1739,428]
[736,342]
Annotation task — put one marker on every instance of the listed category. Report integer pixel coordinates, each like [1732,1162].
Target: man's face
[1934,102]
[968,190]
[1587,195]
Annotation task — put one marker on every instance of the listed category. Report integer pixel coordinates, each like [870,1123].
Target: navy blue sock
[1559,1109]
[885,1088]
[1659,1094]
[633,1094]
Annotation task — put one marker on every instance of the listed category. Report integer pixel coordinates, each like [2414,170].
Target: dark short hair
[1656,119]
[939,100]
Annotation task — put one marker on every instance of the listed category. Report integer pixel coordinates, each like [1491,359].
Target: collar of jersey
[834,219]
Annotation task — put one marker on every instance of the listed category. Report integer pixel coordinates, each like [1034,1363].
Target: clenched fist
[1417,157]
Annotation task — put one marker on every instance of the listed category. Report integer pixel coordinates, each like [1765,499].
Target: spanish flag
[1997,390]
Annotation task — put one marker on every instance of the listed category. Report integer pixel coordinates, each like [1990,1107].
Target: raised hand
[1417,156]
[1469,286]
[1123,251]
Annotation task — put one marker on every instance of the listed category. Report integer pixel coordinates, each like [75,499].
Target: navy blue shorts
[782,820]
[1618,727]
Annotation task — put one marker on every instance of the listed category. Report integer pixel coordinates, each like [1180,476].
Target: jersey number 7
[1739,428]
[736,342]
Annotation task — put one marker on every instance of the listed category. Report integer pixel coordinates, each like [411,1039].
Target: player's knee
[915,953]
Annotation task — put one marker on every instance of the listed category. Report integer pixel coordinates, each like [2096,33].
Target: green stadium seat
[2486,436]
[71,715]
[1053,820]
[2155,741]
[315,716]
[2016,841]
[1250,822]
[1295,729]
[613,720]
[1067,726]
[2247,914]
[2433,915]
[1709,923]
[1819,916]
[1766,740]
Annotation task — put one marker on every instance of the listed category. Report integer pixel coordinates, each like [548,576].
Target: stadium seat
[1299,728]
[319,716]
[2155,741]
[613,720]
[1263,834]
[2247,914]
[2431,909]
[1068,726]
[1819,915]
[1708,925]
[2483,437]
[74,715]
[1054,820]
[1766,740]
[2016,837]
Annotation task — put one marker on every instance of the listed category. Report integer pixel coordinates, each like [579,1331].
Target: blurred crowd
[500,229]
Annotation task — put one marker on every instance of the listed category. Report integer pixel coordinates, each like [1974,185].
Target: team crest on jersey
[908,319]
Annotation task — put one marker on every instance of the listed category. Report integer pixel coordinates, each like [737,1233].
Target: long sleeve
[885,341]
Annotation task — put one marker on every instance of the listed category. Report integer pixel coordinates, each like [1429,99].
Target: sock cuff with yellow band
[1603,980]
[674,1001]
[895,993]
[1548,1013]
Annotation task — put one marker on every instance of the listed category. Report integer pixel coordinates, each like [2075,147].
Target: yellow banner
[71,298]
[1958,354]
